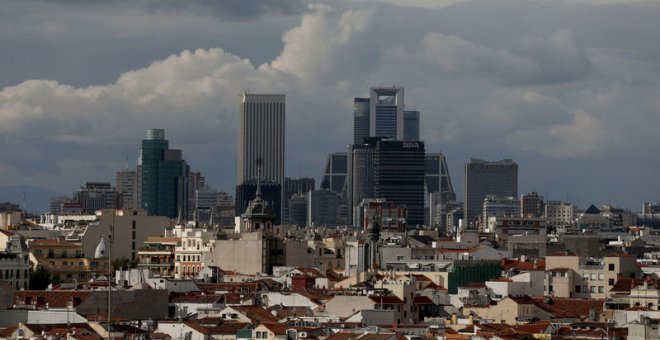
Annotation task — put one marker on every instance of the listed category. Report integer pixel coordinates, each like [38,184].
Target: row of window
[13,274]
[63,253]
[590,289]
[593,276]
[188,258]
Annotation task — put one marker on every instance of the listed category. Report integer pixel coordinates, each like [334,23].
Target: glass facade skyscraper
[360,120]
[164,176]
[411,125]
[386,112]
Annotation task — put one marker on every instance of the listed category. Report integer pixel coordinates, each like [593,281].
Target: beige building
[256,252]
[65,259]
[131,227]
[509,310]
[576,276]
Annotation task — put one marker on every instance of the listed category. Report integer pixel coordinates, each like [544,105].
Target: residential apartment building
[66,260]
[577,276]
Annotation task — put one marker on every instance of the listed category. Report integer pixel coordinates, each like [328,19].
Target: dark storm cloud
[568,90]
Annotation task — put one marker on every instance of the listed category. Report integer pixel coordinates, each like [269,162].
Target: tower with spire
[259,215]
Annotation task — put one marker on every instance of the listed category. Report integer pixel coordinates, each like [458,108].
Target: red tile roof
[55,299]
[570,308]
[276,328]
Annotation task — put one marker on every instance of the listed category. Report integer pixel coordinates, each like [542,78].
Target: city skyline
[577,112]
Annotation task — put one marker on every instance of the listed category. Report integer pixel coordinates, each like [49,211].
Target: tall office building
[439,189]
[411,125]
[126,184]
[322,208]
[261,140]
[436,177]
[399,176]
[386,112]
[334,177]
[360,182]
[484,178]
[360,119]
[95,196]
[164,177]
[382,115]
[301,185]
[195,182]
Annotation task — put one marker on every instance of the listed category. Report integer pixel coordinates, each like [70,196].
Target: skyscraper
[386,112]
[126,183]
[334,177]
[484,178]
[94,196]
[399,176]
[360,182]
[164,176]
[439,189]
[411,125]
[360,120]
[436,177]
[261,137]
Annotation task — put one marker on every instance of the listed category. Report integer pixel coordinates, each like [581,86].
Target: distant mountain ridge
[37,199]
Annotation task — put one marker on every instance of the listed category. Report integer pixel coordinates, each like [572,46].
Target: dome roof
[100,251]
[259,208]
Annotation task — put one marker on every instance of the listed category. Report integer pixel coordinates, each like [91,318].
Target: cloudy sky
[570,89]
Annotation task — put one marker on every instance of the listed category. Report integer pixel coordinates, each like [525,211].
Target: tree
[39,278]
[123,263]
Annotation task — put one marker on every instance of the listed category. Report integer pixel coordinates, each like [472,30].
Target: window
[593,276]
[585,276]
[592,289]
[601,277]
[258,335]
[610,282]
[63,253]
[601,289]
[610,267]
[578,289]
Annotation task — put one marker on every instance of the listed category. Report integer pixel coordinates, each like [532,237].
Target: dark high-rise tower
[360,120]
[334,177]
[360,181]
[164,176]
[411,125]
[484,178]
[399,176]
